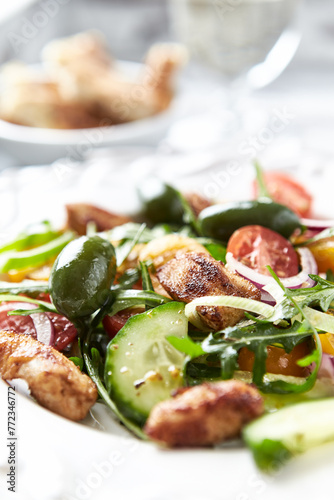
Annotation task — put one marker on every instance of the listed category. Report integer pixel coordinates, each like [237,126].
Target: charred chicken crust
[54,380]
[205,414]
[191,275]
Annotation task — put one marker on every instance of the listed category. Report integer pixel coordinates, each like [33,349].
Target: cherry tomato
[113,324]
[278,361]
[258,247]
[285,190]
[65,331]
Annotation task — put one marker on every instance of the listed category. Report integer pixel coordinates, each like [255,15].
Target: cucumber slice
[142,367]
[277,437]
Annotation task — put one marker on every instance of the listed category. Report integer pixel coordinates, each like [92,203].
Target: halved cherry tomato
[65,331]
[285,190]
[278,361]
[113,324]
[258,247]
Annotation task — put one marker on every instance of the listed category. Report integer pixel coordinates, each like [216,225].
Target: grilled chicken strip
[191,275]
[54,381]
[79,214]
[205,414]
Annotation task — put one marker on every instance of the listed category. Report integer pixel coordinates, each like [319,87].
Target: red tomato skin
[18,324]
[285,190]
[258,247]
[113,324]
[65,331]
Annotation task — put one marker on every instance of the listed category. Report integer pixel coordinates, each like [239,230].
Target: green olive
[220,221]
[82,275]
[161,203]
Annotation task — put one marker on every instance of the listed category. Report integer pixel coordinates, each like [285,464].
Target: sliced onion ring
[318,224]
[44,328]
[43,325]
[326,369]
[308,265]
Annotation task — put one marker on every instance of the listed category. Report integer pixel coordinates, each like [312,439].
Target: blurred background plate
[33,145]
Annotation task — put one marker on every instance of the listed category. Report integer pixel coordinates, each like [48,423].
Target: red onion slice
[44,328]
[13,306]
[318,224]
[326,369]
[43,325]
[308,265]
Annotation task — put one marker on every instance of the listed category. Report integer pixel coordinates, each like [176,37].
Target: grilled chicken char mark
[191,275]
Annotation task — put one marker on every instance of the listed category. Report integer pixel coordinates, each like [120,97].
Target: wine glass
[248,43]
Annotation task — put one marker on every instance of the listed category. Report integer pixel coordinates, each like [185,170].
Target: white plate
[98,459]
[36,146]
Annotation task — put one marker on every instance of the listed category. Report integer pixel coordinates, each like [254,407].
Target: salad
[195,324]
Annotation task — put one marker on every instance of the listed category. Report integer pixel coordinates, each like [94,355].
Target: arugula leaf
[263,191]
[322,295]
[77,361]
[330,276]
[132,298]
[146,278]
[196,373]
[123,250]
[257,338]
[127,280]
[43,306]
[94,366]
[26,286]
[217,251]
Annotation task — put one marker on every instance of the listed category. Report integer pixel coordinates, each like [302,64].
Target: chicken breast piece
[205,414]
[54,381]
[191,275]
[197,202]
[85,73]
[79,214]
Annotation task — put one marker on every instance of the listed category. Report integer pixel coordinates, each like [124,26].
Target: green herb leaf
[263,191]
[187,346]
[133,298]
[77,361]
[123,250]
[94,366]
[257,338]
[29,287]
[44,306]
[146,278]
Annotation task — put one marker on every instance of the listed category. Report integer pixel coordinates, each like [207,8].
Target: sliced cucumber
[142,367]
[278,436]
